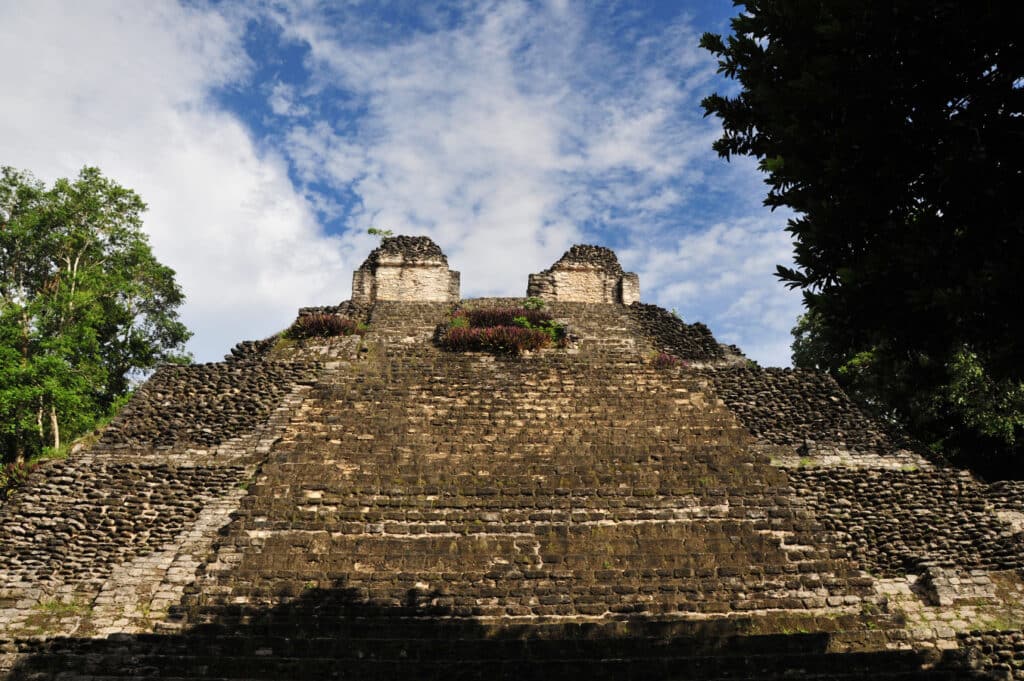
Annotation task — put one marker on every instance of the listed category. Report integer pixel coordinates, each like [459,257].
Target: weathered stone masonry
[373,507]
[586,274]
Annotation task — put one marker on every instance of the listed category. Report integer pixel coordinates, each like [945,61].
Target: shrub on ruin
[322,325]
[508,330]
[663,360]
[511,340]
[505,316]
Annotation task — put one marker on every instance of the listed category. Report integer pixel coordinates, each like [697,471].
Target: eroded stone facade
[586,274]
[375,507]
[405,268]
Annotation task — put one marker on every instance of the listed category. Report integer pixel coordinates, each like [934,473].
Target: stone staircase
[383,648]
[427,514]
[372,507]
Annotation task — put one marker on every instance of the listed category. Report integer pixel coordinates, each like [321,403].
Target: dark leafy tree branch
[895,132]
[84,306]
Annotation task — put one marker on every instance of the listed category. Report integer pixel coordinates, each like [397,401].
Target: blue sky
[267,137]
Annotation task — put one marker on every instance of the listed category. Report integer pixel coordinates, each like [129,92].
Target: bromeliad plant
[320,325]
[507,330]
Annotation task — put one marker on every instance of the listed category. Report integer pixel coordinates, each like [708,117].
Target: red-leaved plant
[319,325]
[509,330]
[663,360]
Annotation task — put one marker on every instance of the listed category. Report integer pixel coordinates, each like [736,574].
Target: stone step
[469,660]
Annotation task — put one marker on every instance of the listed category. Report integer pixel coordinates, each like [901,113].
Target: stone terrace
[374,507]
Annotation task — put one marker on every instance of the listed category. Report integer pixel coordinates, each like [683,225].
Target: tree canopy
[84,306]
[895,132]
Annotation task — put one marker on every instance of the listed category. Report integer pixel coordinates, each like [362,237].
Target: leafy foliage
[84,306]
[511,340]
[12,476]
[894,131]
[508,330]
[320,325]
[504,316]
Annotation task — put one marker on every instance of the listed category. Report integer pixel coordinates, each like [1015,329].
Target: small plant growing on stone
[61,608]
[382,233]
[534,303]
[508,330]
[321,325]
[663,360]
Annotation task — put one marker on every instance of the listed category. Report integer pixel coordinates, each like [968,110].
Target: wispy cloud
[518,129]
[507,134]
[126,87]
[505,130]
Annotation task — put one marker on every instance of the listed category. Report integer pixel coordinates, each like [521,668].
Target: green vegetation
[506,330]
[892,130]
[59,608]
[382,233]
[85,307]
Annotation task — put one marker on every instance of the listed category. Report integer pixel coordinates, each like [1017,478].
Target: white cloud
[507,131]
[282,101]
[125,86]
[723,276]
[504,135]
[520,130]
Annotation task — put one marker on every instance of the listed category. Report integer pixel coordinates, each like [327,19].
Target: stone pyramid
[639,502]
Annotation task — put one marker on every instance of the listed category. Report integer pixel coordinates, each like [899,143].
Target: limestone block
[408,269]
[586,274]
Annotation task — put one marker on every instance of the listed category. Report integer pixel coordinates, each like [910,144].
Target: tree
[895,132]
[84,306]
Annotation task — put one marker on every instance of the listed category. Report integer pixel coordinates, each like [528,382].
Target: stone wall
[586,274]
[405,269]
[204,404]
[95,514]
[671,335]
[375,507]
[794,407]
[897,522]
[998,653]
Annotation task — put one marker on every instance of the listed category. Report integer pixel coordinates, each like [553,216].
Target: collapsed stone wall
[355,311]
[671,335]
[791,407]
[250,351]
[999,653]
[83,515]
[203,404]
[897,522]
[436,483]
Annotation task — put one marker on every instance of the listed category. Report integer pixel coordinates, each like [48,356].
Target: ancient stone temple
[405,268]
[586,274]
[633,501]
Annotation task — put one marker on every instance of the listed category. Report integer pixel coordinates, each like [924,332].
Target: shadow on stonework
[334,634]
